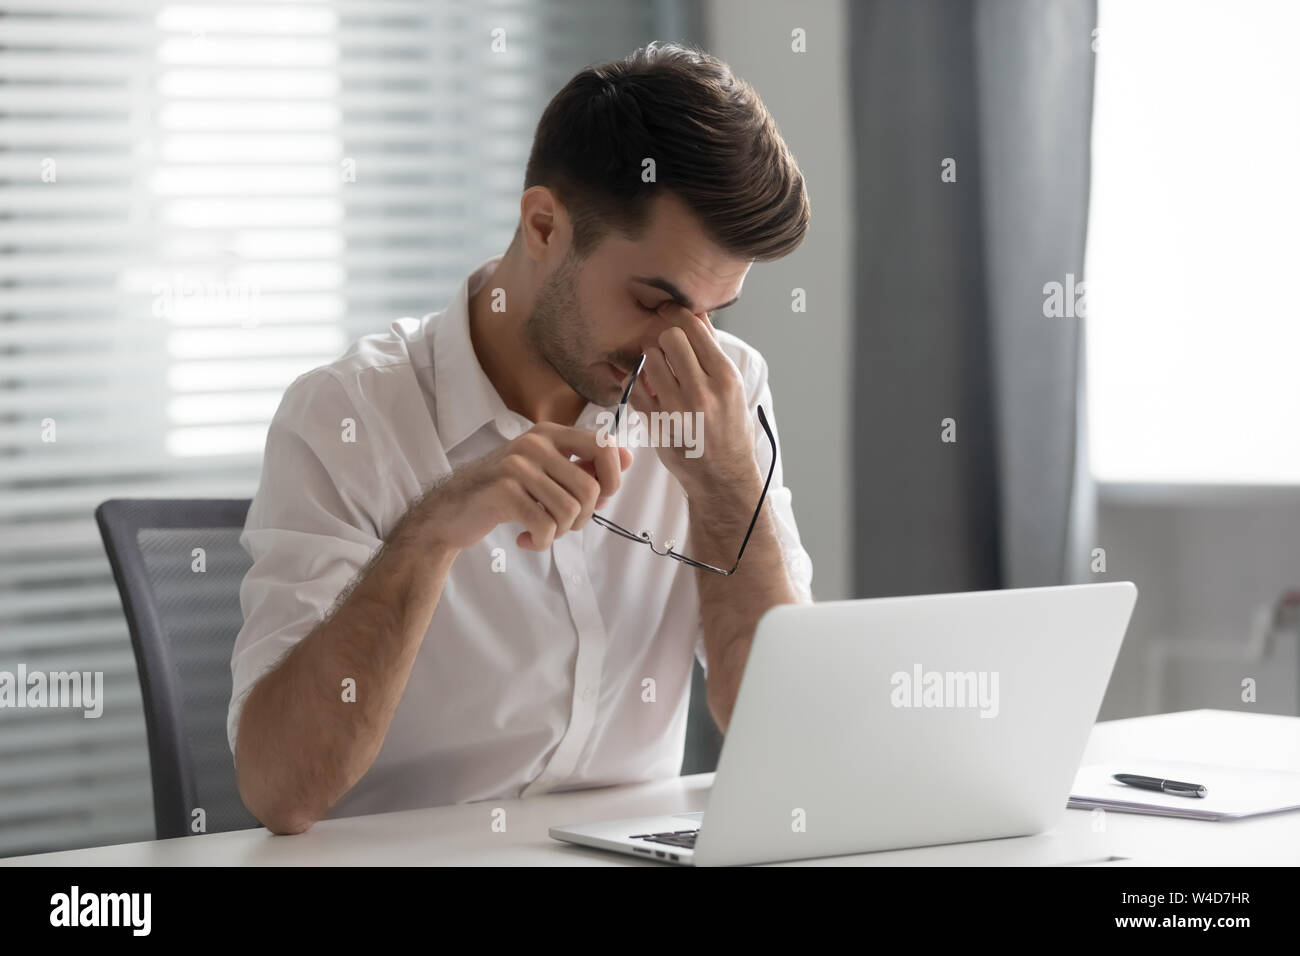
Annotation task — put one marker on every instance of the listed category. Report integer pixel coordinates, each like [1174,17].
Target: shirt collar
[466,400]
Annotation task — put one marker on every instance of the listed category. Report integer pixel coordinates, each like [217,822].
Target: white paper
[1231,792]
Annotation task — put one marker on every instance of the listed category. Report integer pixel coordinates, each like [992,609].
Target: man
[432,616]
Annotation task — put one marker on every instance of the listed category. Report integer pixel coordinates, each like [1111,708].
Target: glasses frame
[645,537]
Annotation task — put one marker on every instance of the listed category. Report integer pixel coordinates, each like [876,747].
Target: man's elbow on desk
[281,820]
[288,825]
[281,817]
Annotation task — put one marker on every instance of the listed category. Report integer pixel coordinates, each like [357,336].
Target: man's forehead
[675,255]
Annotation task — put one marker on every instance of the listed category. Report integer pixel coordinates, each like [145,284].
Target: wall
[1204,562]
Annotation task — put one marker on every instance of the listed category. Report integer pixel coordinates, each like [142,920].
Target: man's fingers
[624,458]
[701,334]
[586,446]
[571,441]
[534,517]
[566,499]
[667,391]
[607,467]
[583,485]
[624,463]
[579,486]
[681,356]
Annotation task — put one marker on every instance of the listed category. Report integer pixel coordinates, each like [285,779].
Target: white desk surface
[462,834]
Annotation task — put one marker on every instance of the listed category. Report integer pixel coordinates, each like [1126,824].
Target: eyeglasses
[667,551]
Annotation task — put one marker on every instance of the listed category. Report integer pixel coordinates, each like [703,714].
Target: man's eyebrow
[678,296]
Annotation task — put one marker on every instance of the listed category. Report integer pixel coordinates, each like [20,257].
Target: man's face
[593,318]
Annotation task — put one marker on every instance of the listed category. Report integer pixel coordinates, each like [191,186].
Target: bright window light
[1193,336]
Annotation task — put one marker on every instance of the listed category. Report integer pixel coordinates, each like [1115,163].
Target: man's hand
[688,372]
[533,481]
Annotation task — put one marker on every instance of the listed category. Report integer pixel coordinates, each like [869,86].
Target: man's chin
[607,397]
[597,394]
[606,385]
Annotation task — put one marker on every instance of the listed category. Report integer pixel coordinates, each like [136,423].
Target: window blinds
[197,203]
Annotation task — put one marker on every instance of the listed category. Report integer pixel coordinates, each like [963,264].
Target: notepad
[1232,792]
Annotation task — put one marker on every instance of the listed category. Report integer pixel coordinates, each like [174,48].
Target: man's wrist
[421,528]
[725,498]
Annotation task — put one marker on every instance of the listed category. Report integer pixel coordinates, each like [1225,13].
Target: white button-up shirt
[540,671]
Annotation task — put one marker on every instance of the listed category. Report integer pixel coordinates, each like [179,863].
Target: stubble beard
[556,330]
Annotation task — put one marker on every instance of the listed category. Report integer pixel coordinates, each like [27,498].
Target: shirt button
[575,579]
[589,693]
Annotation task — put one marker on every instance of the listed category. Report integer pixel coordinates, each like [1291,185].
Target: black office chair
[183,623]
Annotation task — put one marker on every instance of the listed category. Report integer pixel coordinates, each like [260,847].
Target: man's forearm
[731,606]
[301,745]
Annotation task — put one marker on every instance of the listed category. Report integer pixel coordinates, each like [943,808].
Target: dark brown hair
[713,142]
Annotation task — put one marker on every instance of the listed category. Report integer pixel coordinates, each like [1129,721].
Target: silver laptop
[898,722]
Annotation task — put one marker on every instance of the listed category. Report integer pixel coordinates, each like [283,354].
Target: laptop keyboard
[678,838]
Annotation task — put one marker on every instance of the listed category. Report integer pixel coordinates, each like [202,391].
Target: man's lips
[623,371]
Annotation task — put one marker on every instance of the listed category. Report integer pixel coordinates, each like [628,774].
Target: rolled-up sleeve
[309,529]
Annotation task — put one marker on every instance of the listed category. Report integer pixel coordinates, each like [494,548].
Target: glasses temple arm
[762,418]
[636,373]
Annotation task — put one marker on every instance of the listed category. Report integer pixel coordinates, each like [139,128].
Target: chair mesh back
[199,615]
[178,567]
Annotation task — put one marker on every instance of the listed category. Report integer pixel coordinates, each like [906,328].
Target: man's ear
[543,221]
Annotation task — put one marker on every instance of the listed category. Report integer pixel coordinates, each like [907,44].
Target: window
[1193,331]
[197,203]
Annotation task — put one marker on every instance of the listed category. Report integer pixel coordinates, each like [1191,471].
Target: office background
[199,202]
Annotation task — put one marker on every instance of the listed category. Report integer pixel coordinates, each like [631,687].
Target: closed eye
[654,309]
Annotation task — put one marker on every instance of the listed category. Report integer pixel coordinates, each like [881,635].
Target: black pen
[1175,787]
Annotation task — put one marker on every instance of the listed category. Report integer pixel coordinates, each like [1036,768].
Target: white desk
[463,835]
